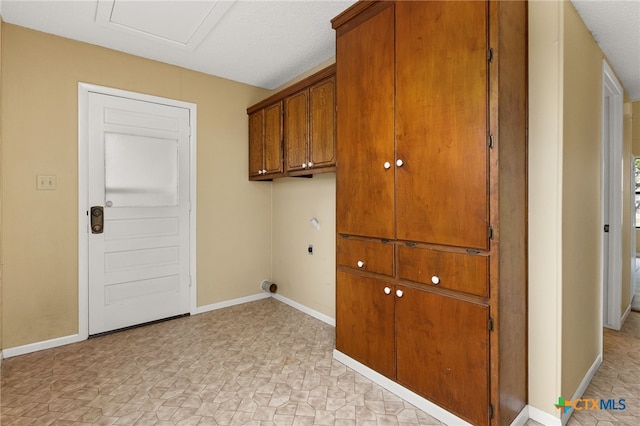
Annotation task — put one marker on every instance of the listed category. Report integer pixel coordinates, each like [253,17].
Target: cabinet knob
[310,164]
[399,293]
[360,263]
[399,163]
[264,171]
[435,280]
[259,172]
[387,164]
[387,290]
[304,165]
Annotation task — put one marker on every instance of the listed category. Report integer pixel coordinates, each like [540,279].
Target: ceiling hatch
[179,23]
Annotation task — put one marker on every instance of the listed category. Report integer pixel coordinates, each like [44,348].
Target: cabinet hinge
[344,236]
[490,411]
[410,244]
[385,241]
[491,232]
[490,55]
[490,324]
[472,251]
[490,140]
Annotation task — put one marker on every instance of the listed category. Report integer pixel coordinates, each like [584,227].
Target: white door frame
[612,128]
[83,174]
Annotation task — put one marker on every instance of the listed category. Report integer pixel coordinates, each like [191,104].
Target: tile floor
[261,363]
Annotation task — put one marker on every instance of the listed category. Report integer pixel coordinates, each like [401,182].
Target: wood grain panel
[456,271]
[322,105]
[273,160]
[365,128]
[441,106]
[256,142]
[443,352]
[296,129]
[365,323]
[376,256]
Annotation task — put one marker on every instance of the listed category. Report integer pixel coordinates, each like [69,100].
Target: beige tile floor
[261,363]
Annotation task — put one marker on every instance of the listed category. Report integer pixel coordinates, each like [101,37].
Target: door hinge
[190,281]
[490,411]
[491,232]
[490,55]
[490,140]
[410,244]
[606,228]
[490,324]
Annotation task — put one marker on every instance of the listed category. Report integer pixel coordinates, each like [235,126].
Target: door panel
[441,101]
[322,106]
[365,128]
[364,322]
[297,129]
[256,143]
[139,173]
[443,352]
[273,162]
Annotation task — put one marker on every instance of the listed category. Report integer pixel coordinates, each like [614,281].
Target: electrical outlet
[47,183]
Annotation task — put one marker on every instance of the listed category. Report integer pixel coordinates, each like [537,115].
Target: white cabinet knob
[387,290]
[360,263]
[259,172]
[264,171]
[387,164]
[310,164]
[399,293]
[435,280]
[304,165]
[399,163]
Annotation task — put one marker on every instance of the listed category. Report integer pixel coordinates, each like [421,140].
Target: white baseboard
[232,302]
[543,417]
[38,346]
[423,404]
[522,418]
[318,315]
[583,386]
[625,315]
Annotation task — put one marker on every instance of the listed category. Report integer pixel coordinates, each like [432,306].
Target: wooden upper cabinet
[296,125]
[310,128]
[256,144]
[303,116]
[265,142]
[365,130]
[322,123]
[441,118]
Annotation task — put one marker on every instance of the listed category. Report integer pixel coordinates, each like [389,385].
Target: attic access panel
[179,23]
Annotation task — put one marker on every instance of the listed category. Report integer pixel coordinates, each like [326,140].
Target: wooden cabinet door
[322,123]
[365,128]
[296,130]
[365,322]
[442,348]
[441,119]
[273,139]
[256,143]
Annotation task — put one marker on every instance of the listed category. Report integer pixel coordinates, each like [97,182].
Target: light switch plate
[47,183]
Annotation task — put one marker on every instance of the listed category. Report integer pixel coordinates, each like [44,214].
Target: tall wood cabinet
[431,200]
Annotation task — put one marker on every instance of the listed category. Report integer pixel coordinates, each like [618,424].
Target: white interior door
[138,220]
[613,190]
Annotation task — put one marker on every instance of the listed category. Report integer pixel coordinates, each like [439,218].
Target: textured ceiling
[615,25]
[265,43]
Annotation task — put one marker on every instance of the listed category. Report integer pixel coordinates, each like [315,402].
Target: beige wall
[1,180]
[40,74]
[581,202]
[306,279]
[545,208]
